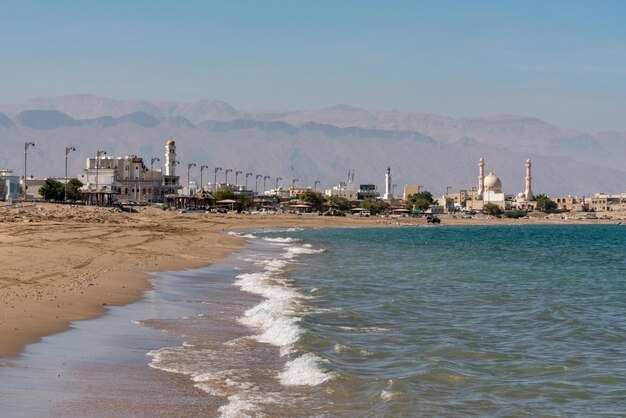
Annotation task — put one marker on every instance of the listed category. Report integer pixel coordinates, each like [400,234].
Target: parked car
[221,210]
[433,220]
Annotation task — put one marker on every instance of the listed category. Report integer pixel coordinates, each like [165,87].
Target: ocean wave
[277,316]
[389,392]
[242,234]
[304,371]
[281,239]
[340,348]
[294,251]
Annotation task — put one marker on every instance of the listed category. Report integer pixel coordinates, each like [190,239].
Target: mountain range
[323,144]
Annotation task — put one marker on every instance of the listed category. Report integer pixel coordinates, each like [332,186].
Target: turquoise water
[380,322]
[463,320]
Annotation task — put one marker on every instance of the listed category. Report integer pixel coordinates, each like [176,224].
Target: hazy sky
[561,61]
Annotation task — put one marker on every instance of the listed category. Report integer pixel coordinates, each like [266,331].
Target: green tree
[52,190]
[421,200]
[73,190]
[545,203]
[374,206]
[223,195]
[341,202]
[492,209]
[314,198]
[244,200]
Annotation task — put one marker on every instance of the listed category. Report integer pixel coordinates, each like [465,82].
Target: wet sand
[65,263]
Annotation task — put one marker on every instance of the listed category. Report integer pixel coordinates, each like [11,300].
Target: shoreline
[65,263]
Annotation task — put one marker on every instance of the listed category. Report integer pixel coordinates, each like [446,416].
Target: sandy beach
[66,263]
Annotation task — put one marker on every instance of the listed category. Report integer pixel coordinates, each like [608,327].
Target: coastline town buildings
[129,178]
[490,191]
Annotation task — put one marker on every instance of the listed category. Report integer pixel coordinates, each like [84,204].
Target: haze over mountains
[324,144]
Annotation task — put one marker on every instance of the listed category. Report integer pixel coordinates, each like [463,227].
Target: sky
[561,61]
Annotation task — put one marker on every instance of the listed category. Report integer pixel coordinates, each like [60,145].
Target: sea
[358,322]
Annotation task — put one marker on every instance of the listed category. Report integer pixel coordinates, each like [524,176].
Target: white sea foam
[276,317]
[294,251]
[237,407]
[281,240]
[340,348]
[389,392]
[304,371]
[242,234]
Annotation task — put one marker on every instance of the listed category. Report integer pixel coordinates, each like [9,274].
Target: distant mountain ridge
[432,150]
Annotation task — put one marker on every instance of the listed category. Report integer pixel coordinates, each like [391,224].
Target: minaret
[170,158]
[388,192]
[481,176]
[528,192]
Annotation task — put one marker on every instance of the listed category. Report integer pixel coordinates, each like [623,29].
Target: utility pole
[256,183]
[248,175]
[277,179]
[202,167]
[215,178]
[236,176]
[152,160]
[27,144]
[188,178]
[264,180]
[228,170]
[315,183]
[67,151]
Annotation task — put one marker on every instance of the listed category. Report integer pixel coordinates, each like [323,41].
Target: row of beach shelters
[200,199]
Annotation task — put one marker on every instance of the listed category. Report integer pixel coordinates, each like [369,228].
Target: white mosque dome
[492,183]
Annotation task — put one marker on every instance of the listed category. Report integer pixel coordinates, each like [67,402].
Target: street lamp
[152,160]
[447,190]
[26,145]
[256,183]
[202,167]
[67,151]
[277,179]
[188,179]
[248,175]
[293,185]
[264,180]
[237,175]
[228,170]
[315,183]
[215,178]
[98,154]
[393,190]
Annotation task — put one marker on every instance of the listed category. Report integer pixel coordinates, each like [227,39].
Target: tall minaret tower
[388,192]
[528,192]
[170,158]
[481,176]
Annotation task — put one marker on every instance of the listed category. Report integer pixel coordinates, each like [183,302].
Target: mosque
[490,191]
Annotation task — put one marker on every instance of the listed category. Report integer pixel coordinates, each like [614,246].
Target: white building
[388,187]
[129,178]
[490,191]
[9,185]
[346,190]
